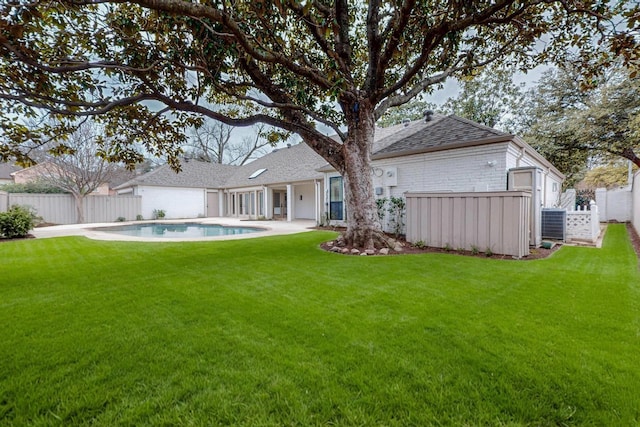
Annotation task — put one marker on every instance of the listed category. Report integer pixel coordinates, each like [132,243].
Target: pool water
[183,230]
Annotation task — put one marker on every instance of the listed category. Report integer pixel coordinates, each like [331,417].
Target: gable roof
[194,174]
[6,169]
[441,133]
[300,163]
[293,163]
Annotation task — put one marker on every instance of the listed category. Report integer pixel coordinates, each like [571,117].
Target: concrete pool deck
[271,228]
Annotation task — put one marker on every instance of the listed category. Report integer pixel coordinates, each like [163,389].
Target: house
[449,154]
[438,154]
[284,184]
[195,191]
[6,171]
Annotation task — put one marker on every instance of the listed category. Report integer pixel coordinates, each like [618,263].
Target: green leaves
[289,63]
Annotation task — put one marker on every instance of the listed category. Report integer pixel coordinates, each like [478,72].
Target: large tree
[80,169]
[150,68]
[212,142]
[489,98]
[577,122]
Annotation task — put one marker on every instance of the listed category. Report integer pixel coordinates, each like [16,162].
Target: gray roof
[290,164]
[6,169]
[194,174]
[300,163]
[441,132]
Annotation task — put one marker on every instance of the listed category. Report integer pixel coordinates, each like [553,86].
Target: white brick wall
[176,202]
[550,193]
[466,169]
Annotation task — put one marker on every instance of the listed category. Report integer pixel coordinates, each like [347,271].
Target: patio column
[289,202]
[318,205]
[254,205]
[267,203]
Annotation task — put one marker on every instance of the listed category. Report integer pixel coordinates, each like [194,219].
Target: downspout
[544,192]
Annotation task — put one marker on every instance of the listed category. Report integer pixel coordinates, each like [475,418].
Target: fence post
[4,201]
[595,221]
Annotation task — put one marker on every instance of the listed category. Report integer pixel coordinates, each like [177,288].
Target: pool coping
[270,228]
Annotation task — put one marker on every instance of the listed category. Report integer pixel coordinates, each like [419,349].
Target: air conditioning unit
[554,224]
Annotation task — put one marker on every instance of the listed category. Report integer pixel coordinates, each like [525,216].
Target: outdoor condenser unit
[554,224]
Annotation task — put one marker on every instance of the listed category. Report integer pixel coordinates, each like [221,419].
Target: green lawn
[275,331]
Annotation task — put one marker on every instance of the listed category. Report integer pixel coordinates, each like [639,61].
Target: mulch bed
[408,248]
[536,253]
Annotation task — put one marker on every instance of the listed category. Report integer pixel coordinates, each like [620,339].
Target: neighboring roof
[290,164]
[440,133]
[194,174]
[6,169]
[30,169]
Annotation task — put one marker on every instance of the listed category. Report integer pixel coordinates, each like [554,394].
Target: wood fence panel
[53,208]
[4,201]
[61,208]
[496,221]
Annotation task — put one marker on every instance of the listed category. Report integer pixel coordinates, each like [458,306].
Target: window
[336,198]
[257,173]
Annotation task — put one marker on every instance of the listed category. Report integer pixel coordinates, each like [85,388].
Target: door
[213,205]
[279,204]
[336,199]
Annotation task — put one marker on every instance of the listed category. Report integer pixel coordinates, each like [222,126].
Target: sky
[438,97]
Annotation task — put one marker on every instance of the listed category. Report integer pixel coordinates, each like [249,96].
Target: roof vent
[406,121]
[428,116]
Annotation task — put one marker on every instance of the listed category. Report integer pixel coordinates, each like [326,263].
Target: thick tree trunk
[363,225]
[79,199]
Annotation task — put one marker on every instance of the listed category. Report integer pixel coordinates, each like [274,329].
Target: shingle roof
[300,163]
[441,132]
[6,169]
[194,174]
[295,163]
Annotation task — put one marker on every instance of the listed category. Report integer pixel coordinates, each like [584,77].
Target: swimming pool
[177,230]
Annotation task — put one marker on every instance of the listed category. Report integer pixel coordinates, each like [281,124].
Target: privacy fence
[61,208]
[495,221]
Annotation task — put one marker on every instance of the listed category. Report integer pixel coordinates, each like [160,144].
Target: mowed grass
[275,331]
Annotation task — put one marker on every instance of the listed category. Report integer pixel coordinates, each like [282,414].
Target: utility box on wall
[385,177]
[529,179]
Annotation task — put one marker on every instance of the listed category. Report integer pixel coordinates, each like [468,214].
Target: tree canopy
[151,68]
[577,122]
[488,98]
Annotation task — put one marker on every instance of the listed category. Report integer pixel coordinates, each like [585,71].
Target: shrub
[420,244]
[139,217]
[396,209]
[121,219]
[381,207]
[32,187]
[16,222]
[158,213]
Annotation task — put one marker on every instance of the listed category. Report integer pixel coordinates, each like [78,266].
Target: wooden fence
[495,221]
[61,208]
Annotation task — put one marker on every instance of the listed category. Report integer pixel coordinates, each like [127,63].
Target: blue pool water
[183,230]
